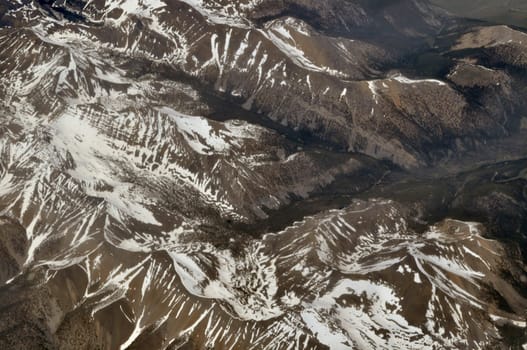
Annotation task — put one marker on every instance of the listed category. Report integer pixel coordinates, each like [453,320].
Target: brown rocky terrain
[260,174]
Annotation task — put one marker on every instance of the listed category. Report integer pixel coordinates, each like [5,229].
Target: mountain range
[262,174]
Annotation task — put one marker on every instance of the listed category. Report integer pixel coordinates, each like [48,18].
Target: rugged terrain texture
[260,174]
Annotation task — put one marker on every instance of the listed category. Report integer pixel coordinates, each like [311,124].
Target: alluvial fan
[260,174]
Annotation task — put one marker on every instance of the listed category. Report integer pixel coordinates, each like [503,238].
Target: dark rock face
[513,12]
[71,10]
[260,175]
[13,249]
